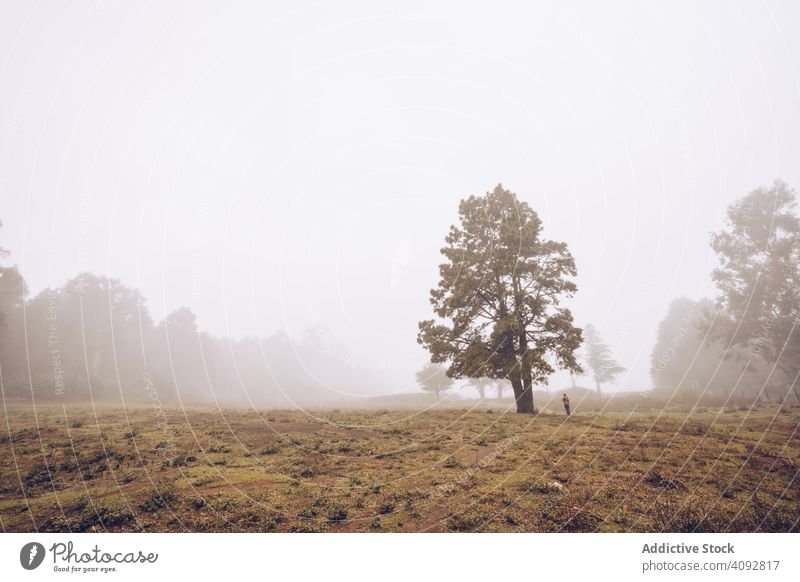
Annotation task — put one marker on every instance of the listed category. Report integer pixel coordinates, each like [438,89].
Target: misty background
[291,172]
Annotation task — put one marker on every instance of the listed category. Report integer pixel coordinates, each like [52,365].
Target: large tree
[498,300]
[434,378]
[599,359]
[759,279]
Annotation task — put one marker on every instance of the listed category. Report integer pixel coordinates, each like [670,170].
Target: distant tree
[13,289]
[498,299]
[580,356]
[599,359]
[183,355]
[109,319]
[13,363]
[500,386]
[94,339]
[758,278]
[98,326]
[681,358]
[481,384]
[434,378]
[13,294]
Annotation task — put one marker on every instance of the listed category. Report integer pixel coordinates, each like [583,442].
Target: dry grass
[84,469]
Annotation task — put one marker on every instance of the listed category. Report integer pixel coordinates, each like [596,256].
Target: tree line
[94,339]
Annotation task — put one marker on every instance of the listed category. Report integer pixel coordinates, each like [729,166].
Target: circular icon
[31,555]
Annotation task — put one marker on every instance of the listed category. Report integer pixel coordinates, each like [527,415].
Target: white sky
[278,167]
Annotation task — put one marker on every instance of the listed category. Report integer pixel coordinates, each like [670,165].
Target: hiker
[565,400]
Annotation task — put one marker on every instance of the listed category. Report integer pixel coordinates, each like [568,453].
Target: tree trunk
[599,392]
[438,397]
[482,392]
[500,390]
[523,395]
[572,377]
[527,394]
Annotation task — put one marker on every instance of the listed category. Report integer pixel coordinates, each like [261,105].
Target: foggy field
[451,469]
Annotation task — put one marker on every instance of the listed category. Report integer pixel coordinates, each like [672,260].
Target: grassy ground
[141,469]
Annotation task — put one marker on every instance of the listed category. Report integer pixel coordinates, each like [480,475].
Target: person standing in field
[565,400]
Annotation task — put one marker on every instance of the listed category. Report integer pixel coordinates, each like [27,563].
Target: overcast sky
[274,168]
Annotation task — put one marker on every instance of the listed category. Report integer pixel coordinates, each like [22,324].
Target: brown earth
[96,469]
